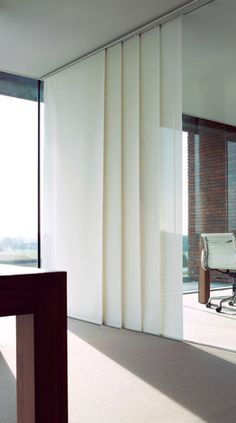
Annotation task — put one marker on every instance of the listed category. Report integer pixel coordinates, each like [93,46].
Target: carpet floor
[120,376]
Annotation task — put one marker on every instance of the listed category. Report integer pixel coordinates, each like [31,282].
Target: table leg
[42,357]
[25,368]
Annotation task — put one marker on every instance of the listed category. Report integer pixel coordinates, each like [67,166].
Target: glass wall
[209,166]
[210,185]
[209,132]
[18,170]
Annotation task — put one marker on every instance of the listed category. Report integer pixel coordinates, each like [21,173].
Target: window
[19,188]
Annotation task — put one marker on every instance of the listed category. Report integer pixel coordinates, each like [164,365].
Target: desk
[38,299]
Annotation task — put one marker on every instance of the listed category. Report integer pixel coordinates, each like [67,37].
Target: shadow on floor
[7,393]
[195,378]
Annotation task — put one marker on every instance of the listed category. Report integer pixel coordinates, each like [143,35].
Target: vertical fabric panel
[75,106]
[131,186]
[112,190]
[150,180]
[49,181]
[171,168]
[112,186]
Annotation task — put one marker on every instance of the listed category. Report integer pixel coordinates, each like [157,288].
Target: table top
[6,269]
[21,288]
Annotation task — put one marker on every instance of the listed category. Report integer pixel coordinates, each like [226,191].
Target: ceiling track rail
[180,11]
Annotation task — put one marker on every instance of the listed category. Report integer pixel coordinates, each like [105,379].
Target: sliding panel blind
[113,164]
[112,216]
[131,186]
[75,101]
[150,181]
[171,174]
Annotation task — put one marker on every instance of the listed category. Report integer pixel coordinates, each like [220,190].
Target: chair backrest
[219,251]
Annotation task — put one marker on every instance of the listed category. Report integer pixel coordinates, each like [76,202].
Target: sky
[18,167]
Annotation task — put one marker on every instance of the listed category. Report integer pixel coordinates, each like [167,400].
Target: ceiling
[38,36]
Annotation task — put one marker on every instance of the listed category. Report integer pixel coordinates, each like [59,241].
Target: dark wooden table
[38,299]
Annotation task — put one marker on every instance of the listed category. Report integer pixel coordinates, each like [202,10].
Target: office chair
[219,253]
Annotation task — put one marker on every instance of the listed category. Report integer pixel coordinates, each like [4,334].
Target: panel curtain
[112,183]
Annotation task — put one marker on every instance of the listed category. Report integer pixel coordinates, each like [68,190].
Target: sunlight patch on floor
[8,341]
[117,394]
[206,326]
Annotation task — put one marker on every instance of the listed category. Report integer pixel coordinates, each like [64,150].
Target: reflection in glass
[210,158]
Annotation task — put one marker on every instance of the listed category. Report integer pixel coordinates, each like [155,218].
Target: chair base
[231,301]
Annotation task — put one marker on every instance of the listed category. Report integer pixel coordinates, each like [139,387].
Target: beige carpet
[125,377]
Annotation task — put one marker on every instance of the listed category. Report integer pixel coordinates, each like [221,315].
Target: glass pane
[210,184]
[186,278]
[209,125]
[18,181]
